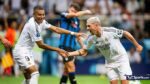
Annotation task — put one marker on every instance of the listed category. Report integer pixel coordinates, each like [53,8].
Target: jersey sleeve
[46,25]
[34,34]
[89,42]
[117,33]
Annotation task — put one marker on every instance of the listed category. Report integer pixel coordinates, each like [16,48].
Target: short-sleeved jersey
[31,33]
[108,44]
[71,24]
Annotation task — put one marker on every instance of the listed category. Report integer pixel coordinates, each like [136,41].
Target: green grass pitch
[46,79]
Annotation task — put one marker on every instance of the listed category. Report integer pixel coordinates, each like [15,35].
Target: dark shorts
[67,59]
[70,58]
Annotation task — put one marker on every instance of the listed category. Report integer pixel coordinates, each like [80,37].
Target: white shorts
[23,57]
[118,71]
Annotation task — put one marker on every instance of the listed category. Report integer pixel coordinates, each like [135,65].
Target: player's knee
[71,67]
[114,82]
[31,69]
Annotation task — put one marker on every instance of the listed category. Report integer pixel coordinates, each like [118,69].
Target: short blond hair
[93,20]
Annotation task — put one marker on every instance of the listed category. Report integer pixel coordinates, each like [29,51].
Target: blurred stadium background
[130,15]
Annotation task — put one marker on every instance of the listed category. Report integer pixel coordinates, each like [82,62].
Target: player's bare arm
[81,52]
[139,48]
[79,39]
[5,42]
[80,13]
[63,31]
[47,47]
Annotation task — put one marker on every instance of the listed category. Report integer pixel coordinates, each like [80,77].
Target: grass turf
[45,79]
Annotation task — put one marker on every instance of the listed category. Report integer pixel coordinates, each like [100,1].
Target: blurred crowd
[130,15]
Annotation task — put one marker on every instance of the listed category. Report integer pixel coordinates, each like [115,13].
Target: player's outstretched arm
[81,52]
[47,47]
[80,13]
[81,42]
[63,31]
[139,48]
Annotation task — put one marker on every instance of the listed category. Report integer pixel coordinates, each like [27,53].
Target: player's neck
[37,22]
[99,33]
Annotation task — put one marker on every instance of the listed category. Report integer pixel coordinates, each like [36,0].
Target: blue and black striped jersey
[68,42]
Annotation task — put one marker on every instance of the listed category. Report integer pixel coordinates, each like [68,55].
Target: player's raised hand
[5,42]
[139,48]
[88,11]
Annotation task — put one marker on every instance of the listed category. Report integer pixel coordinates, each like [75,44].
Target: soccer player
[5,42]
[69,21]
[106,39]
[31,35]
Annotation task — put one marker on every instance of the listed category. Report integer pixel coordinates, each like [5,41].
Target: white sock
[26,81]
[34,78]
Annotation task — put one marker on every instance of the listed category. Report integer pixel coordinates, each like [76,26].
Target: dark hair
[76,6]
[38,8]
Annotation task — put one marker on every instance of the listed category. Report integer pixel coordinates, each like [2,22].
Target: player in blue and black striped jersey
[69,21]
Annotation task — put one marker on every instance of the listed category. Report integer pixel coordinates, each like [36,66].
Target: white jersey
[109,44]
[31,33]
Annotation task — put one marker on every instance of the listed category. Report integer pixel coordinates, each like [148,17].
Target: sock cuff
[71,73]
[27,79]
[35,73]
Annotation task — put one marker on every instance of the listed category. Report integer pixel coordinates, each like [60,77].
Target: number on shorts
[27,58]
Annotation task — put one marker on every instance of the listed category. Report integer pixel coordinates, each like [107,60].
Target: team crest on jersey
[119,32]
[103,44]
[27,58]
[46,22]
[74,24]
[37,34]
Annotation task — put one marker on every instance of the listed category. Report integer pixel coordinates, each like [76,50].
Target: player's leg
[71,71]
[112,75]
[124,82]
[26,62]
[33,73]
[64,77]
[27,78]
[124,71]
[114,82]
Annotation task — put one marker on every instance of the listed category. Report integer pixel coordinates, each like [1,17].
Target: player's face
[92,28]
[72,10]
[39,15]
[14,24]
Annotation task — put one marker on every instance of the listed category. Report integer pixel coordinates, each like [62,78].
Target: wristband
[72,33]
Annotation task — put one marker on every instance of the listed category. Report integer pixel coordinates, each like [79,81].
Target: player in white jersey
[106,39]
[31,35]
